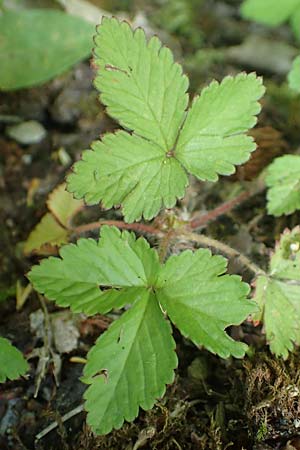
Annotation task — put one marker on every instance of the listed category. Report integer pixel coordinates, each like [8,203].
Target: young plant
[144,168]
[273,12]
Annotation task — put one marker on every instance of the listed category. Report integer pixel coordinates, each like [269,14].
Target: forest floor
[250,404]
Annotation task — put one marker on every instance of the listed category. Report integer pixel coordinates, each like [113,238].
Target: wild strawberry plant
[144,167]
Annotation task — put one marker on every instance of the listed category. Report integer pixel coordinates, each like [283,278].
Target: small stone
[31,132]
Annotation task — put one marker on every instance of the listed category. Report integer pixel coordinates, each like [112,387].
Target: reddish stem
[141,227]
[220,210]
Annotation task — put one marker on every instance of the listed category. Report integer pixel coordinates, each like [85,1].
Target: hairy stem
[228,206]
[219,211]
[225,249]
[141,227]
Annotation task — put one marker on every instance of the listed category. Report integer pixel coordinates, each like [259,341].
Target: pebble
[30,132]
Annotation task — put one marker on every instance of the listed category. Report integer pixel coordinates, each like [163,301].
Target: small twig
[141,227]
[64,418]
[225,249]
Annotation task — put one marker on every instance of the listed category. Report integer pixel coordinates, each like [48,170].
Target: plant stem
[164,245]
[220,210]
[225,249]
[257,187]
[141,227]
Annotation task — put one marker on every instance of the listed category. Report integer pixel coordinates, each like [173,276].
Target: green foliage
[130,365]
[278,295]
[283,181]
[12,362]
[36,45]
[294,75]
[133,361]
[202,306]
[273,12]
[143,168]
[145,91]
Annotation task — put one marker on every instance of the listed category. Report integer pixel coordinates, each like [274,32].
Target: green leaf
[134,360]
[212,140]
[283,182]
[295,22]
[47,231]
[12,362]
[294,75]
[129,366]
[140,83]
[202,302]
[145,91]
[36,45]
[75,278]
[63,205]
[269,12]
[127,169]
[278,295]
[281,313]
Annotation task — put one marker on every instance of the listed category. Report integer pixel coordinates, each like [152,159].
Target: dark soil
[213,404]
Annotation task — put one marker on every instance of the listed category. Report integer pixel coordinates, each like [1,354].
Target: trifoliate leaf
[278,295]
[63,205]
[201,301]
[269,12]
[127,169]
[129,366]
[190,283]
[146,92]
[133,361]
[12,362]
[212,140]
[38,44]
[294,75]
[140,83]
[283,181]
[75,278]
[47,231]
